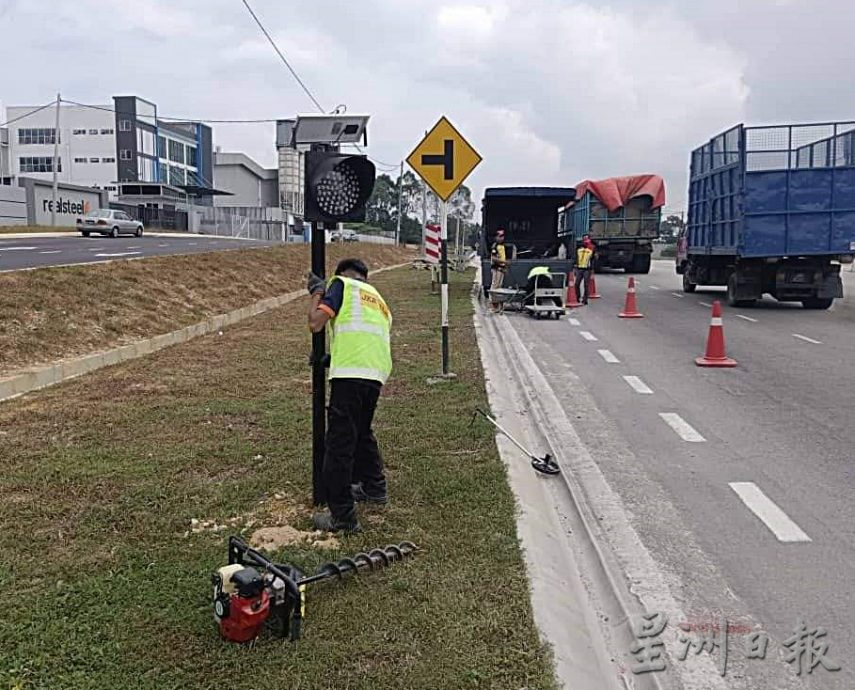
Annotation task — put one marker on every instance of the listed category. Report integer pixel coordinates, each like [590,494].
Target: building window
[108,160]
[38,164]
[106,131]
[176,151]
[110,188]
[125,155]
[79,131]
[176,175]
[79,160]
[124,125]
[145,141]
[163,173]
[161,147]
[191,156]
[93,131]
[94,160]
[38,135]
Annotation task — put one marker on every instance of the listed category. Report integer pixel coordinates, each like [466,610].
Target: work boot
[326,522]
[362,496]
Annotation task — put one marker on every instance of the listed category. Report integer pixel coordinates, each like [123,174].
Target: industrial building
[107,145]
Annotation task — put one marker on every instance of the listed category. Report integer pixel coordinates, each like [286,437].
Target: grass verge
[52,313]
[15,229]
[104,585]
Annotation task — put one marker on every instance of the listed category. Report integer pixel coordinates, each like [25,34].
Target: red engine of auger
[241,602]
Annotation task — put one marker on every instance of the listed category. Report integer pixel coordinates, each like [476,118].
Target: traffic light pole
[444,288]
[319,386]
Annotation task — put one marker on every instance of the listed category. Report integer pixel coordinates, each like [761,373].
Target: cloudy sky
[548,91]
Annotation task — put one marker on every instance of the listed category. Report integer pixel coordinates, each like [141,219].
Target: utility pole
[55,164]
[319,384]
[400,197]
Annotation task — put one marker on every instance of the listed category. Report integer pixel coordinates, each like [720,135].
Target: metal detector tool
[546,464]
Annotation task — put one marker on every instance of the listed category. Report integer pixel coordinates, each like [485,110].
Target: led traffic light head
[337,186]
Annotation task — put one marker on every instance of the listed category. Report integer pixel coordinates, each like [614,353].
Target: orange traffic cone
[715,355]
[572,298]
[592,288]
[630,310]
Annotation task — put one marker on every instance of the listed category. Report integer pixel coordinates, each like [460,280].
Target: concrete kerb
[21,383]
[589,500]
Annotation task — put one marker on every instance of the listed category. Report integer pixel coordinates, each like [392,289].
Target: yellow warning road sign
[443,159]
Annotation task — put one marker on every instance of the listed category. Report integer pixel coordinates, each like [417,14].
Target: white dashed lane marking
[654,287]
[806,339]
[638,385]
[681,427]
[51,251]
[608,356]
[573,322]
[17,249]
[677,294]
[746,318]
[587,335]
[767,510]
[705,304]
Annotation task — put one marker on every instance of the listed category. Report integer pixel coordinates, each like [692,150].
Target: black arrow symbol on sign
[446,159]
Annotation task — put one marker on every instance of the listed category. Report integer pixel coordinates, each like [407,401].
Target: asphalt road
[740,482]
[36,252]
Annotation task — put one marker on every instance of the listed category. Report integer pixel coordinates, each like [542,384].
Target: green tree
[670,228]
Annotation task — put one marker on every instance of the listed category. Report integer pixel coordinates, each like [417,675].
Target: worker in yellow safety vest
[584,263]
[360,363]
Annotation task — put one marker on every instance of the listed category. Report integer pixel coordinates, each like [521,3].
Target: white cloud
[549,91]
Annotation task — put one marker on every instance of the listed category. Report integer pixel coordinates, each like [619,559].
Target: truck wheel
[688,285]
[817,302]
[732,301]
[641,264]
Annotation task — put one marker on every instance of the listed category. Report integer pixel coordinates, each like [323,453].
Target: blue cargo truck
[772,211]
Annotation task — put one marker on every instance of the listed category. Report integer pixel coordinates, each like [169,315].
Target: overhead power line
[283,58]
[27,114]
[166,118]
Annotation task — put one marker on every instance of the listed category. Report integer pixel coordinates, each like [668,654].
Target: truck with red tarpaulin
[621,215]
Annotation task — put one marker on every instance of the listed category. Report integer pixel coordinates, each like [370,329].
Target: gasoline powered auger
[545,465]
[252,590]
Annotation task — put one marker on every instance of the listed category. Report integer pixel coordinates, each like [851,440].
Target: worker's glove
[315,284]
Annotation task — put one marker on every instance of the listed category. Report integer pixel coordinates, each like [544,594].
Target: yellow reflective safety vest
[360,336]
[583,257]
[538,271]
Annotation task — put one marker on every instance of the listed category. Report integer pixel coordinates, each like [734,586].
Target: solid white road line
[638,385]
[705,304]
[17,249]
[683,429]
[677,294]
[746,318]
[51,251]
[119,254]
[134,247]
[806,339]
[608,356]
[587,335]
[573,322]
[772,516]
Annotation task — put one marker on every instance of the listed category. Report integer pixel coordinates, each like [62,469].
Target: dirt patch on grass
[55,313]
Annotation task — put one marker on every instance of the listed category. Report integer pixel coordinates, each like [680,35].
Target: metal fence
[247,222]
[163,218]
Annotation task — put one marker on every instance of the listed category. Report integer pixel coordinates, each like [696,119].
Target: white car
[108,221]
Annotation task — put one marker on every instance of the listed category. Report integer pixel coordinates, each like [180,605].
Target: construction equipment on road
[545,465]
[252,591]
[715,355]
[543,299]
[630,309]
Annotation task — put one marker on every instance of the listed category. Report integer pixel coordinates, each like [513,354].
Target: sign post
[444,159]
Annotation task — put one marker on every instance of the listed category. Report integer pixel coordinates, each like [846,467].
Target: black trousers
[583,275]
[351,453]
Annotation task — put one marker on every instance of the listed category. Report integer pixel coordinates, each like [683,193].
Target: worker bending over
[360,363]
[540,277]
